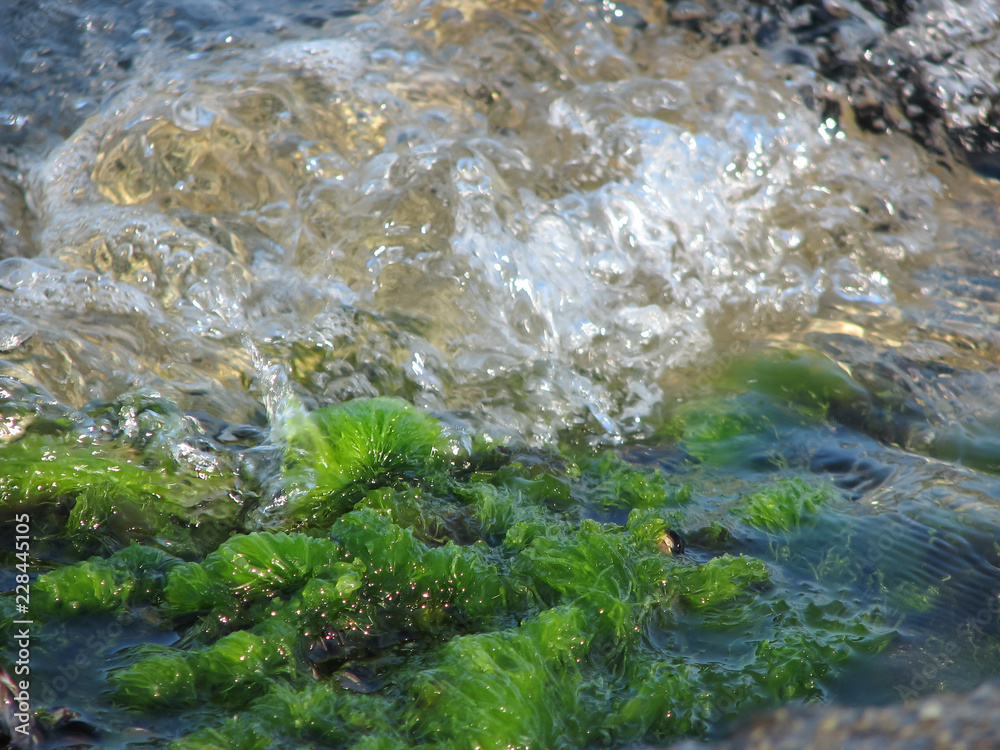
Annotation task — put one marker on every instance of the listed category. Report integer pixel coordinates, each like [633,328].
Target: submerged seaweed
[117,474]
[409,593]
[341,451]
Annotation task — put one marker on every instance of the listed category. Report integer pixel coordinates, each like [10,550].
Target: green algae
[776,388]
[513,688]
[663,701]
[767,398]
[801,376]
[735,430]
[246,568]
[316,715]
[134,575]
[718,586]
[493,599]
[337,452]
[161,679]
[425,580]
[97,495]
[784,505]
[85,588]
[608,480]
[592,570]
[237,666]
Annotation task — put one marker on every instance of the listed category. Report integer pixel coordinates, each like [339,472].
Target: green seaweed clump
[338,452]
[801,376]
[93,491]
[406,596]
[606,480]
[784,505]
[247,568]
[134,575]
[235,667]
[476,694]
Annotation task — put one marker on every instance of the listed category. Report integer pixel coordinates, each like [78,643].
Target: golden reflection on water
[478,199]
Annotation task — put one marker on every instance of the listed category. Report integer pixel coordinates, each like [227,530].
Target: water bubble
[14,331]
[541,247]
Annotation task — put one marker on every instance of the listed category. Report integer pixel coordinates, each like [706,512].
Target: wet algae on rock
[404,590]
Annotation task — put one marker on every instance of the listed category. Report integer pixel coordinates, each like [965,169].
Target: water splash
[535,249]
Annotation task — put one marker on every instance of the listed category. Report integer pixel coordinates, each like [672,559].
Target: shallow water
[559,222]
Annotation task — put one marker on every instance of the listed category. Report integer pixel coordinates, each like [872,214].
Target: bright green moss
[133,575]
[794,667]
[98,495]
[805,638]
[319,715]
[512,688]
[325,714]
[235,667]
[523,533]
[104,508]
[495,509]
[381,545]
[372,438]
[41,468]
[190,589]
[338,585]
[536,485]
[800,375]
[720,585]
[85,588]
[148,567]
[234,735]
[164,680]
[505,516]
[339,451]
[593,569]
[479,601]
[249,567]
[462,577]
[663,702]
[608,481]
[432,518]
[264,563]
[427,585]
[783,505]
[734,430]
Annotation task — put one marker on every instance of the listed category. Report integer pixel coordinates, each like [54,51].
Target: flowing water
[529,216]
[560,221]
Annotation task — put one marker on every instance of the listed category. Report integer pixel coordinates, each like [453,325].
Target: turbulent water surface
[538,220]
[529,215]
